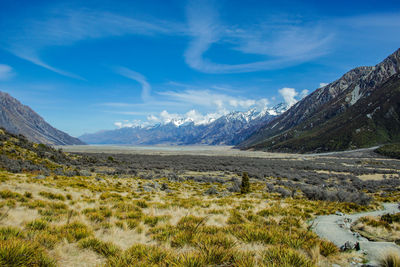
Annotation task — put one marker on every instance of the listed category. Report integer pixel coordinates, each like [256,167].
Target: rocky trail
[336,228]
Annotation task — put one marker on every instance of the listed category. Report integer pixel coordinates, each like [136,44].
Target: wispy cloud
[6,72]
[279,42]
[70,26]
[133,75]
[285,45]
[31,56]
[211,99]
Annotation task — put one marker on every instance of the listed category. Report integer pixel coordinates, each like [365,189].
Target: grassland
[84,221]
[61,209]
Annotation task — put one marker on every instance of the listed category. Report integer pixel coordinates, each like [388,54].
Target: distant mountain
[20,119]
[230,129]
[360,109]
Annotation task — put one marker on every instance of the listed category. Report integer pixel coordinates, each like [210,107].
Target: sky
[87,66]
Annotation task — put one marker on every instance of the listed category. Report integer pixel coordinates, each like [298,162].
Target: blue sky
[91,65]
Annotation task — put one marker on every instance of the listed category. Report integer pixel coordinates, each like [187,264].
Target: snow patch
[369,115]
[274,125]
[355,95]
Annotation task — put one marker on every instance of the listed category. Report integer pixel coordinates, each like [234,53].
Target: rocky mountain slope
[230,129]
[20,119]
[358,110]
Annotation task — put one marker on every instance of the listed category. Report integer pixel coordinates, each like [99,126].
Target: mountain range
[20,119]
[360,109]
[230,129]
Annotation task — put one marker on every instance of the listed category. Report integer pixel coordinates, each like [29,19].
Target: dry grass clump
[17,252]
[327,248]
[283,256]
[106,249]
[98,214]
[38,224]
[382,228]
[18,249]
[390,259]
[8,232]
[141,255]
[50,195]
[154,220]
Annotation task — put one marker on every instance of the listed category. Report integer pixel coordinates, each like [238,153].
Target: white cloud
[6,72]
[242,103]
[323,84]
[136,76]
[289,95]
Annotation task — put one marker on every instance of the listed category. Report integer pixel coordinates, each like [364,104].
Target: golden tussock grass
[78,221]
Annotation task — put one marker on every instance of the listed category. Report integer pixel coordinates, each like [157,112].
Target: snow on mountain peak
[255,113]
[197,118]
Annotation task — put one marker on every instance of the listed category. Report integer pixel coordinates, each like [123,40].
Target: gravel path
[336,228]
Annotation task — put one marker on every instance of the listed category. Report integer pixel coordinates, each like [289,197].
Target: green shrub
[390,150]
[245,186]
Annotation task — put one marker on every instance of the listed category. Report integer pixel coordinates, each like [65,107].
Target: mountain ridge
[323,105]
[21,119]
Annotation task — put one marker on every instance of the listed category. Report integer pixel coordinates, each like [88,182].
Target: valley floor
[206,151]
[115,209]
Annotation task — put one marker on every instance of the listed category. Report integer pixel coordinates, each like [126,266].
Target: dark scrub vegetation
[390,150]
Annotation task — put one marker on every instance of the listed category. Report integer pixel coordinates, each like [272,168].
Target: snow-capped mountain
[229,129]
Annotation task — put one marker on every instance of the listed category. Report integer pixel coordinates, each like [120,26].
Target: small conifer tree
[245,187]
